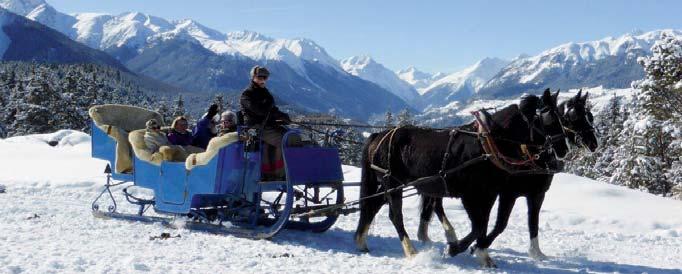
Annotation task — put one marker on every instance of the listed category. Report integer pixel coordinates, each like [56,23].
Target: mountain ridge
[609,62]
[367,68]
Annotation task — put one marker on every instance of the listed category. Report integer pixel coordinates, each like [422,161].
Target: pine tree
[72,110]
[165,112]
[662,85]
[389,119]
[652,132]
[405,118]
[222,104]
[65,91]
[34,115]
[641,144]
[179,109]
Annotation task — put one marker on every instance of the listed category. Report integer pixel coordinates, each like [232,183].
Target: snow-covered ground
[586,226]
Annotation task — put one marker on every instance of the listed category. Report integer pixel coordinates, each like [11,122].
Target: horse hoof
[537,255]
[453,249]
[424,239]
[410,255]
[490,264]
[534,250]
[484,258]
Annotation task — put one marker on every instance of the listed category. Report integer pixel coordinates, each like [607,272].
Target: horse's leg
[427,204]
[534,204]
[504,209]
[482,253]
[472,206]
[396,215]
[450,234]
[368,208]
[478,209]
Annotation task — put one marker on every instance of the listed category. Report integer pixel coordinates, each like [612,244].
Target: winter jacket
[180,139]
[255,103]
[177,138]
[202,132]
[155,139]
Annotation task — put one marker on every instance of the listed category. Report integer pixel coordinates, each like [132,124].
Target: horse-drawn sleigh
[510,153]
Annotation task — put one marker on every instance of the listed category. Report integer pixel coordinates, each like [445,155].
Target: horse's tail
[369,184]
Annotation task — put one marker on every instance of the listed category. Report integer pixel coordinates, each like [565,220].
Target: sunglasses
[262,77]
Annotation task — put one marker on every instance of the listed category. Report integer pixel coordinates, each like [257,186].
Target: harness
[501,161]
[483,134]
[487,142]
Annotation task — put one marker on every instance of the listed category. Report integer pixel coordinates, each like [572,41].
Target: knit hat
[259,71]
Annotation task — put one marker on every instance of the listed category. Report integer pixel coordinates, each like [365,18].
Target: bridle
[577,133]
[551,139]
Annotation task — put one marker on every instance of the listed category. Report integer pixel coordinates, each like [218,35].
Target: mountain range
[25,40]
[461,85]
[194,57]
[28,41]
[418,79]
[191,56]
[609,62]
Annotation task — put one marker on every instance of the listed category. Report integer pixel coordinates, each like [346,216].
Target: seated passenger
[179,135]
[154,139]
[228,123]
[205,128]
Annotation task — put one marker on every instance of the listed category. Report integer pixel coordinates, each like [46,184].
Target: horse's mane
[504,117]
[527,107]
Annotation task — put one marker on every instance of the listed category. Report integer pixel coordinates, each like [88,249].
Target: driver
[258,107]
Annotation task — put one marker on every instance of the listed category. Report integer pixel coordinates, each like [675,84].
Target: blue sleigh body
[228,189]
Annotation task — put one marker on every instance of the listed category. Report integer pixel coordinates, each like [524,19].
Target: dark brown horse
[410,153]
[577,122]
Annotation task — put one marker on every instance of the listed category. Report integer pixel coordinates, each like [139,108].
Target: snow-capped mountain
[461,85]
[21,7]
[418,79]
[136,30]
[304,75]
[25,40]
[366,68]
[610,62]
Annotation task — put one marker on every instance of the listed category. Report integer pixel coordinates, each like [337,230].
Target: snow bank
[30,161]
[64,137]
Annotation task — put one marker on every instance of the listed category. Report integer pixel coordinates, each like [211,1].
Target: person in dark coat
[179,135]
[205,128]
[259,110]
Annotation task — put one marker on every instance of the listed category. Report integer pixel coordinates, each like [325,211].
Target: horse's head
[578,120]
[556,137]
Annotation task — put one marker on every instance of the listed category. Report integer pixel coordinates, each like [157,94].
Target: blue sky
[431,35]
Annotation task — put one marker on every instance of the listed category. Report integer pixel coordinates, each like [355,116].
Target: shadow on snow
[341,241]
